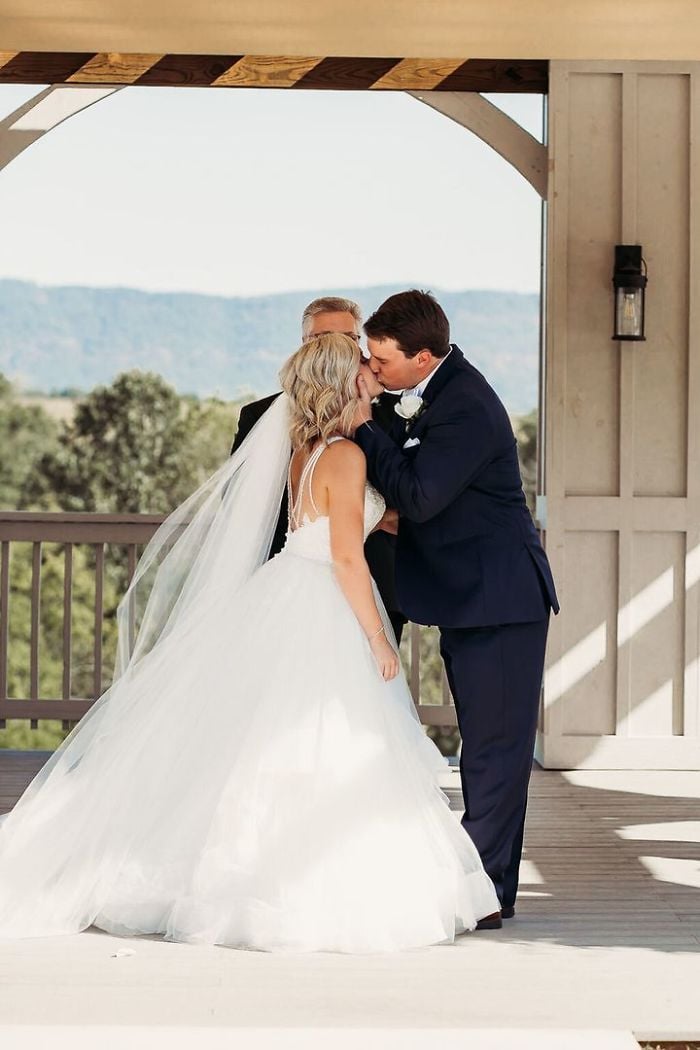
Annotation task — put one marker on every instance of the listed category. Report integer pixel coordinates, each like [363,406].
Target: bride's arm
[346,503]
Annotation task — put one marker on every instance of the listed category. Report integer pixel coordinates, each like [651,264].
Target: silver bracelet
[372,636]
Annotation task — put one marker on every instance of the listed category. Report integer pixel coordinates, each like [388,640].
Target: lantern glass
[629,313]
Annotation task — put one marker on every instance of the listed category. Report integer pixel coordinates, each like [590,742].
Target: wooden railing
[123,536]
[128,532]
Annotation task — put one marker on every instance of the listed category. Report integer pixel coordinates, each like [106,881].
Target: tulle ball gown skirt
[250,782]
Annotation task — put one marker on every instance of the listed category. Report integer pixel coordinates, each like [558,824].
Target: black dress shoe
[490,922]
[508,912]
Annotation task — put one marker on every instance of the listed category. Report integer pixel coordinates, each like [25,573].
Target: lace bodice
[310,537]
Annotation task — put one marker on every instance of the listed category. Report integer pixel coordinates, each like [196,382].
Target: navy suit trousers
[495,674]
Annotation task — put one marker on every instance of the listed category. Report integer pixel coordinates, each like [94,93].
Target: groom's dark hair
[415,320]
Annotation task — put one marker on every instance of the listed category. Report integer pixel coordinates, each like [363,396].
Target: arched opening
[460,232]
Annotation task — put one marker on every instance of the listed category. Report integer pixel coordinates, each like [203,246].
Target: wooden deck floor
[607,935]
[16,770]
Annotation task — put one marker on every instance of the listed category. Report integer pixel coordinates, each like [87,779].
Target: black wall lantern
[629,281]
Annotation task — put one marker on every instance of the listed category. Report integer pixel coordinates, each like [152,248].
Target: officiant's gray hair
[329,304]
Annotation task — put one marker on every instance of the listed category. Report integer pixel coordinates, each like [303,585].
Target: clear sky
[245,192]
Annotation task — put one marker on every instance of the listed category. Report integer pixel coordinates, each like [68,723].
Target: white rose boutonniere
[409,408]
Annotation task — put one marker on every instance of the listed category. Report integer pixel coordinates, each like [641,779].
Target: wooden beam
[316,73]
[41,114]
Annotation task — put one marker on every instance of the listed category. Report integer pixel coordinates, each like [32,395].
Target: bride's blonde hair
[320,380]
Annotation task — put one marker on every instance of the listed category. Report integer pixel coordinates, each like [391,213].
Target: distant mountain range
[55,338]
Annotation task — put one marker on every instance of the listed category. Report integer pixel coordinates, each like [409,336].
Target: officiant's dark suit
[380,546]
[469,560]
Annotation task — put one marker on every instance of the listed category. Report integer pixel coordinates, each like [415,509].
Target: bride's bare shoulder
[344,455]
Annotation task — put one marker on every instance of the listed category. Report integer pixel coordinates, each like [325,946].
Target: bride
[256,775]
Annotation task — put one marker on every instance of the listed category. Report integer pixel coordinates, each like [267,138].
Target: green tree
[26,434]
[211,426]
[525,428]
[120,453]
[133,447]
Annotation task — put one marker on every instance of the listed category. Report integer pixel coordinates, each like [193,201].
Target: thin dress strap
[307,472]
[305,479]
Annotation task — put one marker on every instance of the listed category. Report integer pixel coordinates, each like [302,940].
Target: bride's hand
[363,412]
[386,657]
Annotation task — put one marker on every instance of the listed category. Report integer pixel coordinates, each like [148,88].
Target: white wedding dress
[274,792]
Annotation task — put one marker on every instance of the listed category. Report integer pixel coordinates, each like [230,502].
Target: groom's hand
[363,412]
[389,522]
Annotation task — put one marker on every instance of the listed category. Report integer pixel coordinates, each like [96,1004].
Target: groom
[468,559]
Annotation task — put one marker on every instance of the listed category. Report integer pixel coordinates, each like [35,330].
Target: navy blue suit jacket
[467,553]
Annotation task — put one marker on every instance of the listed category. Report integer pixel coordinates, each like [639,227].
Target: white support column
[495,128]
[42,113]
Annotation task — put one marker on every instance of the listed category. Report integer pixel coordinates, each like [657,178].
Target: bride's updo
[320,380]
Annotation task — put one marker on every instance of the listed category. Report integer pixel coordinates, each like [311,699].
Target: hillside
[55,339]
